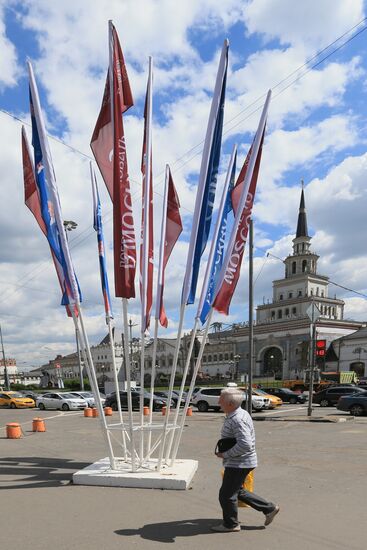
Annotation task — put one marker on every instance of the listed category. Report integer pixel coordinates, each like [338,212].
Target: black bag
[225,444]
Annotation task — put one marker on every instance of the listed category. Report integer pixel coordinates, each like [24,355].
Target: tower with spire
[302,284]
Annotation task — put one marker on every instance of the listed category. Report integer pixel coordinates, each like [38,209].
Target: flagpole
[159,297]
[191,389]
[145,244]
[171,384]
[128,383]
[117,387]
[93,380]
[250,315]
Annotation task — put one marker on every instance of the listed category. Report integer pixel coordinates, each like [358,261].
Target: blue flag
[97,224]
[207,182]
[219,249]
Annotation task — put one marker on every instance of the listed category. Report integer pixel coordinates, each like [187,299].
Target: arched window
[209,358]
[294,267]
[304,266]
[280,296]
[215,358]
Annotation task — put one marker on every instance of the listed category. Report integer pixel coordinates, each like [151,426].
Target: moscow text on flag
[49,202]
[207,182]
[171,230]
[97,224]
[147,242]
[109,148]
[225,293]
[219,249]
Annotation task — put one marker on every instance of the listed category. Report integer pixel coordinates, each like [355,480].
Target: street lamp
[237,364]
[6,374]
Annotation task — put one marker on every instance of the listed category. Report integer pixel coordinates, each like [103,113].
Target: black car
[287,395]
[158,402]
[174,397]
[330,396]
[356,403]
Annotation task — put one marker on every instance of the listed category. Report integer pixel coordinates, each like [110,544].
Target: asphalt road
[316,472]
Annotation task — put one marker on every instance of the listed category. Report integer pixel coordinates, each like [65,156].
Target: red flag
[31,197]
[109,149]
[233,269]
[147,242]
[171,230]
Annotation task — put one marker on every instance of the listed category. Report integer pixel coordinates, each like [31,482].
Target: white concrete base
[178,477]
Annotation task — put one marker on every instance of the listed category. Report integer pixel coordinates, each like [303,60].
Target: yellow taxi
[15,400]
[274,400]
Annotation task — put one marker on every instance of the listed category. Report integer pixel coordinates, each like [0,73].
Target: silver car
[89,397]
[62,401]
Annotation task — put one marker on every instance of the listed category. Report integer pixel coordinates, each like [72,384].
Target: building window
[300,293]
[280,296]
[334,311]
[317,291]
[204,358]
[279,313]
[290,294]
[286,311]
[215,358]
[226,356]
[221,357]
[311,292]
[322,294]
[294,310]
[273,314]
[231,356]
[294,267]
[304,266]
[210,358]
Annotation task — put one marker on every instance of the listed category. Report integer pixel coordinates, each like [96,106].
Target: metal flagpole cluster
[222,270]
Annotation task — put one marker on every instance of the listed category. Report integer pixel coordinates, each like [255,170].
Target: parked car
[274,400]
[89,397]
[356,403]
[287,395]
[62,401]
[31,394]
[207,398]
[174,397]
[158,402]
[330,396]
[15,400]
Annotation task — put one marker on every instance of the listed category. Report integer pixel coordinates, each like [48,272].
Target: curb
[324,419]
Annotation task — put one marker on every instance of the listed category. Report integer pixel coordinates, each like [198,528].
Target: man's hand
[219,455]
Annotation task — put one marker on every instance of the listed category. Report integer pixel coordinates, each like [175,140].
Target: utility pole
[314,313]
[250,316]
[6,375]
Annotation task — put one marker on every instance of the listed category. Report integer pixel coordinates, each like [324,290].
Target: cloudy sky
[313,56]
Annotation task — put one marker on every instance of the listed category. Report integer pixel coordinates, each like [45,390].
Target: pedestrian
[238,462]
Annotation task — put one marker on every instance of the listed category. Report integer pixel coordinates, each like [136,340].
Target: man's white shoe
[223,529]
[269,517]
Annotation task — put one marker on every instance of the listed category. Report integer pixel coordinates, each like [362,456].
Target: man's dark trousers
[231,491]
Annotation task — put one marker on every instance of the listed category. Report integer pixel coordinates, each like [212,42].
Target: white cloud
[8,58]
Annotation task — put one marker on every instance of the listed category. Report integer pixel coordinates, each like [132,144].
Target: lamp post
[70,225]
[6,374]
[237,363]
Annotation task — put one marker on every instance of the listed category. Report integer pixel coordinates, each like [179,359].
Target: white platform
[177,477]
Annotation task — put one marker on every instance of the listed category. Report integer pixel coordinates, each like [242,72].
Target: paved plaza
[315,471]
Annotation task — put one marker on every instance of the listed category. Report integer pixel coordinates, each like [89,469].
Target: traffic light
[320,348]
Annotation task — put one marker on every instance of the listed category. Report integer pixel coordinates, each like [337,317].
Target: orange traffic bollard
[88,412]
[146,411]
[13,431]
[38,425]
[164,409]
[95,413]
[108,411]
[189,411]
